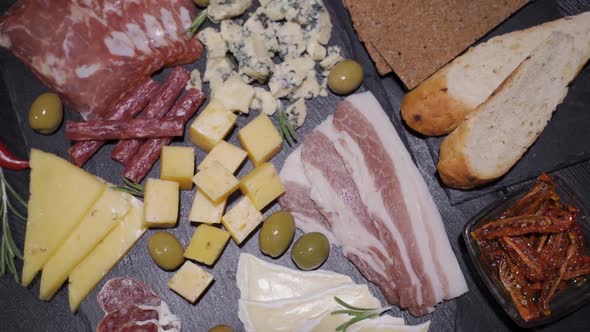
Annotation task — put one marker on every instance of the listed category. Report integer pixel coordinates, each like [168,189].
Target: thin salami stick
[157,108]
[141,163]
[127,108]
[124,129]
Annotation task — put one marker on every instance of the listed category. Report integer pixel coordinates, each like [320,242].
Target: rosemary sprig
[199,20]
[286,127]
[358,314]
[130,187]
[8,249]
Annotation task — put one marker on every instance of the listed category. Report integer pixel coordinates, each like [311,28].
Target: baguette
[496,135]
[439,104]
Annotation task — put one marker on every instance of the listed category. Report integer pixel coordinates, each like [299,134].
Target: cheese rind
[177,163]
[205,211]
[106,255]
[190,281]
[212,125]
[61,194]
[260,139]
[228,155]
[216,182]
[104,215]
[262,185]
[241,220]
[161,200]
[207,244]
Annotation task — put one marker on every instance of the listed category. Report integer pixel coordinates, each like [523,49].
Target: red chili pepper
[10,161]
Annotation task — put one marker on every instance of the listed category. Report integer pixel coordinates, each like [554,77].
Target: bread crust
[430,110]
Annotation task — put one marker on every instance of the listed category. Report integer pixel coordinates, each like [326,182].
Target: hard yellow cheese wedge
[104,215]
[106,255]
[61,194]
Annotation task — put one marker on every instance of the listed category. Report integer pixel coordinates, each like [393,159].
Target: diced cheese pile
[273,298]
[280,44]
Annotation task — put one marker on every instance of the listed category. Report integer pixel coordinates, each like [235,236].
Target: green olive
[202,3]
[221,328]
[276,234]
[166,250]
[345,77]
[46,113]
[310,251]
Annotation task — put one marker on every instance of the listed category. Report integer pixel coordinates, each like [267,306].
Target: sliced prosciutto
[354,180]
[93,52]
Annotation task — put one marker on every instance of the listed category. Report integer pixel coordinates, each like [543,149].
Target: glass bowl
[565,301]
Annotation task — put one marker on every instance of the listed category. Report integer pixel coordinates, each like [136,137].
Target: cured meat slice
[127,108]
[337,197]
[121,292]
[392,205]
[131,305]
[93,52]
[157,108]
[118,129]
[141,163]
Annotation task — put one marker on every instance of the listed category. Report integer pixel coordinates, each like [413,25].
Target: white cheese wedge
[325,323]
[106,255]
[374,325]
[262,281]
[292,314]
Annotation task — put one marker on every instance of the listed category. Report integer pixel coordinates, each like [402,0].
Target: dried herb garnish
[8,249]
[358,314]
[199,20]
[286,127]
[130,187]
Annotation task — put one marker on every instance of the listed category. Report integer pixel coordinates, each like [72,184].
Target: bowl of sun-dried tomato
[529,250]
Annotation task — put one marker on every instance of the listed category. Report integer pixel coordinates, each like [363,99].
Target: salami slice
[131,305]
[124,129]
[141,163]
[121,292]
[157,108]
[127,108]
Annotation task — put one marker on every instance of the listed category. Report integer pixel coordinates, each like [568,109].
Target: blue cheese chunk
[310,88]
[316,51]
[264,101]
[289,75]
[276,9]
[219,10]
[259,24]
[195,81]
[320,24]
[296,113]
[218,71]
[334,56]
[292,42]
[234,94]
[299,11]
[214,43]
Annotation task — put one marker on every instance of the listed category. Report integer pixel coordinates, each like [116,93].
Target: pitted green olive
[221,328]
[166,250]
[276,234]
[202,3]
[345,77]
[46,113]
[310,251]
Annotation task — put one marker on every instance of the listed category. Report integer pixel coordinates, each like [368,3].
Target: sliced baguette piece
[440,103]
[496,135]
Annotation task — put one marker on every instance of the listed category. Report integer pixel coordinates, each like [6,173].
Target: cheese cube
[212,125]
[241,220]
[190,281]
[161,200]
[228,155]
[261,139]
[262,185]
[216,182]
[207,244]
[177,163]
[205,211]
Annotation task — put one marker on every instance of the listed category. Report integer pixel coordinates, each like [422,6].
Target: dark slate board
[21,310]
[564,140]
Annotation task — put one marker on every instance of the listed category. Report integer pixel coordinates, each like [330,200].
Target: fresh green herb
[199,20]
[358,314]
[286,127]
[130,187]
[8,249]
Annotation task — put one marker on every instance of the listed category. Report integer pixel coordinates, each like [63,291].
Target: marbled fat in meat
[93,52]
